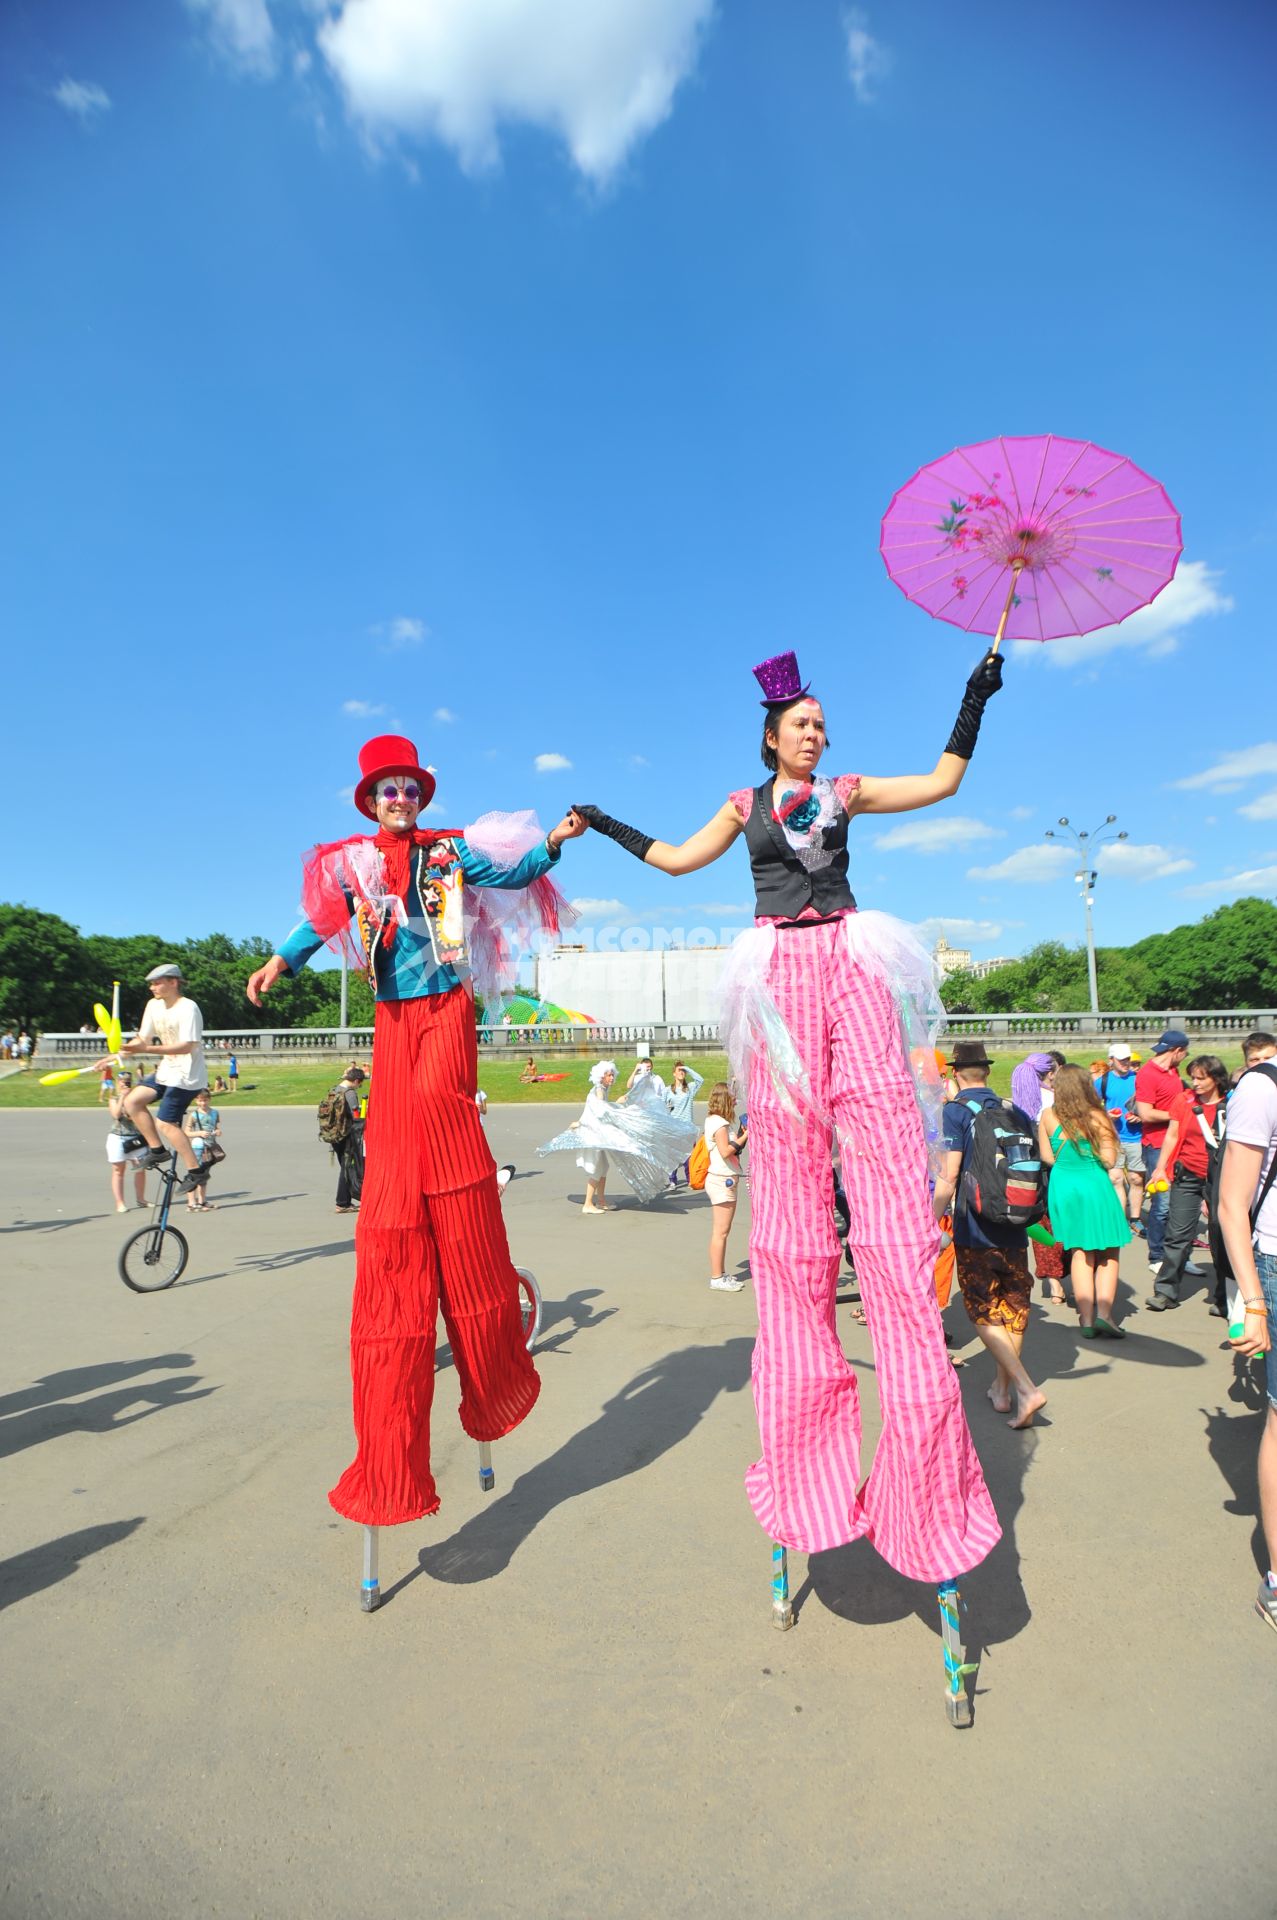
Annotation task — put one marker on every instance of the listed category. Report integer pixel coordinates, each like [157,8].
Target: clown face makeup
[397,798]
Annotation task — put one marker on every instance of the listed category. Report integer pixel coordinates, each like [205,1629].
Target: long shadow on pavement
[76,1380]
[857,1585]
[41,1567]
[1233,1442]
[52,1226]
[653,1412]
[103,1415]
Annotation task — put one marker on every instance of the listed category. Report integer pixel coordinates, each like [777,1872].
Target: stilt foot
[782,1611]
[957,1701]
[369,1589]
[487,1479]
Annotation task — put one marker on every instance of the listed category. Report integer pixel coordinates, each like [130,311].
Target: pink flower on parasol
[1031,538]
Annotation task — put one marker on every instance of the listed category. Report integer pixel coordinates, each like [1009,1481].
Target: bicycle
[156,1255]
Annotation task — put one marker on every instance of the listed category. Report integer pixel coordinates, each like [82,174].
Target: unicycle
[156,1255]
[530,1306]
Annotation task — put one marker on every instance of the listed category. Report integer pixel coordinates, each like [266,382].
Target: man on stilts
[416,908]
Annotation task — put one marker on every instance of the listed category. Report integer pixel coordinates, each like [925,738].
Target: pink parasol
[1031,538]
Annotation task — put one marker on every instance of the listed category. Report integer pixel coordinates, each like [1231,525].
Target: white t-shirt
[1252,1122]
[717,1164]
[171,1026]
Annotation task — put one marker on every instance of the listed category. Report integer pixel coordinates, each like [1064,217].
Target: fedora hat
[969,1053]
[390,753]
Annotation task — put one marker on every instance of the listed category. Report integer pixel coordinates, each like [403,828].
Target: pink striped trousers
[924,1505]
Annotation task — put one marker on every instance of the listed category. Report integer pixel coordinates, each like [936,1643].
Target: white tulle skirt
[751,1023]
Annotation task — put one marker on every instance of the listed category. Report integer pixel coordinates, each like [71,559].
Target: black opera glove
[628,837]
[984,682]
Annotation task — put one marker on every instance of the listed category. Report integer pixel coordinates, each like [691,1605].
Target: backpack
[698,1166]
[333,1115]
[1214,1167]
[1003,1179]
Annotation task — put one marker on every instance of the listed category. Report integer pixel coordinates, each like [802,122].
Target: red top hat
[390,753]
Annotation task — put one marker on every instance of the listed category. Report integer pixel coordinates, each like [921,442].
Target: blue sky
[517,377]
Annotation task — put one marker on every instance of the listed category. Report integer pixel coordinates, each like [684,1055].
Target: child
[1078,1142]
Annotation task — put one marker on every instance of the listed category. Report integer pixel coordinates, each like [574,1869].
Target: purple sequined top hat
[778,678]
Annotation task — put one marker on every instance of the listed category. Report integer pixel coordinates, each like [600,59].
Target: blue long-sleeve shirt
[411,966]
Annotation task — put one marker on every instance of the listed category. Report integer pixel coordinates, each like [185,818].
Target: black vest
[783,888]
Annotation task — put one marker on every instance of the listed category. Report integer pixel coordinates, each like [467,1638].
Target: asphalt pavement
[572,1702]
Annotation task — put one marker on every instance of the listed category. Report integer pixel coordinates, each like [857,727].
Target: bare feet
[1000,1398]
[1027,1404]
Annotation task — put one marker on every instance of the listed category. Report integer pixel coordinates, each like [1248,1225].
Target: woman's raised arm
[905,792]
[702,847]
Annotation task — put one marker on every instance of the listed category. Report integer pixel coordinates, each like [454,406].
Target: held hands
[571,827]
[264,979]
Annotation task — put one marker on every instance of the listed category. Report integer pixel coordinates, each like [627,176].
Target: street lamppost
[1086,876]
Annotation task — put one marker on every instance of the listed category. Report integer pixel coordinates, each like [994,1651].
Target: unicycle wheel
[529,1306]
[153,1258]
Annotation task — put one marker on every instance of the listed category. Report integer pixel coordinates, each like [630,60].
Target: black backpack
[333,1114]
[1214,1167]
[1003,1179]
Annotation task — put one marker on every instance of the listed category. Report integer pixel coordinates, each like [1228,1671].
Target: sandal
[1054,1293]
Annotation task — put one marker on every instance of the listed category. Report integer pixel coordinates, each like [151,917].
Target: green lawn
[297,1084]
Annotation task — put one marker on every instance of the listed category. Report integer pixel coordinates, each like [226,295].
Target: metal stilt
[782,1611]
[487,1479]
[370,1592]
[956,1700]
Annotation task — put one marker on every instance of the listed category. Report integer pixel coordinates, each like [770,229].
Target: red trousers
[430,1236]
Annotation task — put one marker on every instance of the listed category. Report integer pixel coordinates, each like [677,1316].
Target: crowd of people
[17,1047]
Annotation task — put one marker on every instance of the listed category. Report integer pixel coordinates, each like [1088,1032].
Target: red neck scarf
[396,851]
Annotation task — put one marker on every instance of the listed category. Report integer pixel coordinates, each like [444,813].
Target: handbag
[213,1152]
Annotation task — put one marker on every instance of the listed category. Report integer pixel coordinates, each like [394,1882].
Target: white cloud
[938,836]
[1130,861]
[1021,813]
[1264,808]
[400,633]
[1155,630]
[600,75]
[445,717]
[637,760]
[82,98]
[552,763]
[1029,864]
[242,31]
[868,60]
[1254,880]
[962,933]
[601,909]
[362,709]
[347,794]
[1228,774]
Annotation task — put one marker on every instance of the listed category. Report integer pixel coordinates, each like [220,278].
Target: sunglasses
[394,789]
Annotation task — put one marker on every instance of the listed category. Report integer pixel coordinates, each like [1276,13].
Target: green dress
[1081,1200]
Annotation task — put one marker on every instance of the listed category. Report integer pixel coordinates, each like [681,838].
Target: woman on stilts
[825,1010]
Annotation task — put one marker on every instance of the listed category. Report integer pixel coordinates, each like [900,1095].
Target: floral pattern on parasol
[1031,538]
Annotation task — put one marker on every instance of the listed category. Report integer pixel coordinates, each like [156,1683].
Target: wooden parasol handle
[1017,567]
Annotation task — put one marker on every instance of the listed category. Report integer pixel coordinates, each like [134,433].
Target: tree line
[51,974]
[1227,959]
